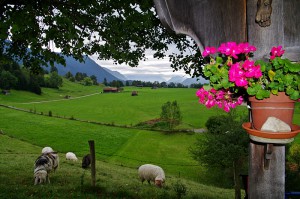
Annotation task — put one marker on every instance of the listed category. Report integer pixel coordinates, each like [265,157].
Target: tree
[117,83]
[294,154]
[118,30]
[170,113]
[7,80]
[69,75]
[225,145]
[53,69]
[80,76]
[53,80]
[33,85]
[94,79]
[105,81]
[87,81]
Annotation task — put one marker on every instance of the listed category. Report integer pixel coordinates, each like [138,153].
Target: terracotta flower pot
[279,106]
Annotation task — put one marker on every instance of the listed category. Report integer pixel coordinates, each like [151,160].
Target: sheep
[86,161]
[43,165]
[47,149]
[40,175]
[152,173]
[71,156]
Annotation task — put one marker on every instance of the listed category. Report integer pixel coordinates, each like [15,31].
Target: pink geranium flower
[246,48]
[230,49]
[233,74]
[209,51]
[276,52]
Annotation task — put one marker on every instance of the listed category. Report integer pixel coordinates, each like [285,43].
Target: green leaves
[118,30]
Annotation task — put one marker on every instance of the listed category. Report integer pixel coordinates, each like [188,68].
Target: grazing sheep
[86,161]
[71,156]
[152,173]
[43,165]
[47,149]
[40,175]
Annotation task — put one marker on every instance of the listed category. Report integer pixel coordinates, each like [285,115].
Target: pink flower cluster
[230,49]
[232,59]
[241,71]
[221,98]
[276,52]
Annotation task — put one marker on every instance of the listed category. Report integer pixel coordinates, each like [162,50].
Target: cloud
[152,67]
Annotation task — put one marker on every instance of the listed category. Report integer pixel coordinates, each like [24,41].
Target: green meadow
[120,147]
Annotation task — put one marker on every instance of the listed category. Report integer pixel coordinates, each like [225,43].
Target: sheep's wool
[47,149]
[152,173]
[43,165]
[71,156]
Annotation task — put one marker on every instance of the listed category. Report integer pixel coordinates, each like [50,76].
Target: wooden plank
[264,38]
[209,23]
[266,178]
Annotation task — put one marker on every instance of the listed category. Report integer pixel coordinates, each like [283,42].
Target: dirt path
[70,98]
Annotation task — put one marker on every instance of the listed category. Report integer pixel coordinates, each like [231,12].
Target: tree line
[157,84]
[12,76]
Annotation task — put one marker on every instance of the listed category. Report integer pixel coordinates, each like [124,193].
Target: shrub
[170,113]
[180,189]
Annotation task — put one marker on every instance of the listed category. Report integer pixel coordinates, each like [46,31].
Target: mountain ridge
[90,67]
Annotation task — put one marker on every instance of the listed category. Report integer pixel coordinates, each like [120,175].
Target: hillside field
[120,148]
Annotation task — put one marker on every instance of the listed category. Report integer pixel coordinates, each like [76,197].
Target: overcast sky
[148,70]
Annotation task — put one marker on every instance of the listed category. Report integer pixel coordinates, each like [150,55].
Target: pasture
[120,148]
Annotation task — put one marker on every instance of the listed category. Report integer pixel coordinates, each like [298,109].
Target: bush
[180,189]
[170,113]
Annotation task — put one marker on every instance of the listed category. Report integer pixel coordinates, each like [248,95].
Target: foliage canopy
[121,30]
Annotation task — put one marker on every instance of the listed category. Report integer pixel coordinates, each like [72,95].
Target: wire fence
[100,154]
[113,155]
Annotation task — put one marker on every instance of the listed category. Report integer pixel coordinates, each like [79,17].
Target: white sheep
[71,156]
[152,173]
[47,149]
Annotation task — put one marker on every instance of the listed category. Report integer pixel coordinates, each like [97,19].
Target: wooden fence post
[93,162]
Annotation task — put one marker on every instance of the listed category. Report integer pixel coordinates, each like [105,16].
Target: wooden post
[93,162]
[213,22]
[266,171]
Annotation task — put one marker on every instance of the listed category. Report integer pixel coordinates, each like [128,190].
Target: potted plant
[235,78]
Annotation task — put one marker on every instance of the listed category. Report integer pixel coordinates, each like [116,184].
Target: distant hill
[187,81]
[90,67]
[190,81]
[176,79]
[116,74]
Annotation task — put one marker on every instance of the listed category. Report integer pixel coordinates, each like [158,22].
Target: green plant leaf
[261,94]
[294,67]
[271,75]
[219,60]
[295,95]
[214,78]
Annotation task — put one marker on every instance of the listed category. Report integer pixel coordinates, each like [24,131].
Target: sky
[150,70]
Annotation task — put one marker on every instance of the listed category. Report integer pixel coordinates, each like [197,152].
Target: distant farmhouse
[112,90]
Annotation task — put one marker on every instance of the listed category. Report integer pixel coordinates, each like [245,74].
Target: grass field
[118,150]
[70,181]
[115,108]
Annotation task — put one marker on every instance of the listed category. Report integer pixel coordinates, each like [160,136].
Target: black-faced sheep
[152,173]
[86,161]
[43,165]
[71,156]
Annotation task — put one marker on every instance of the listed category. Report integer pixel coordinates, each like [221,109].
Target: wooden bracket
[268,149]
